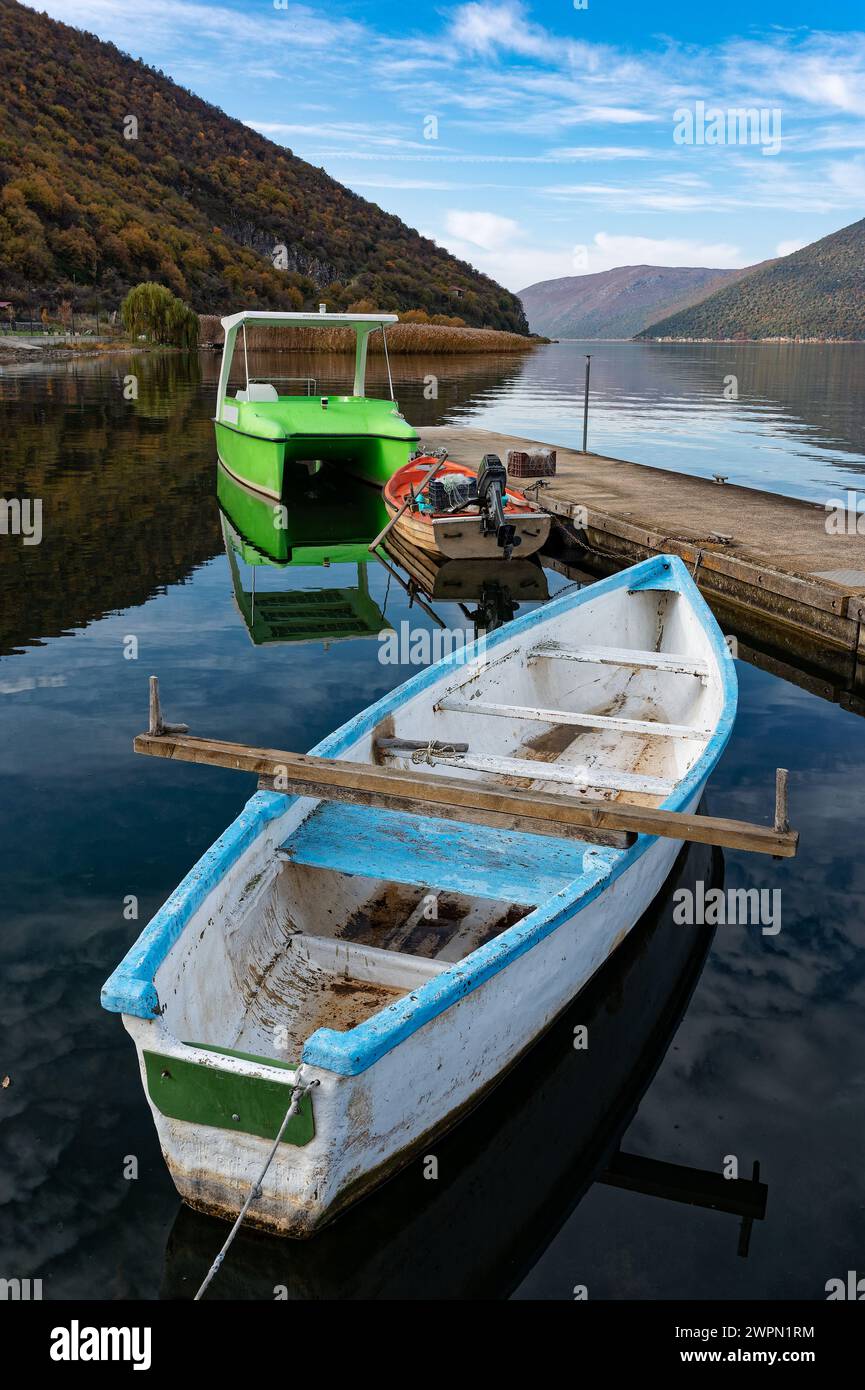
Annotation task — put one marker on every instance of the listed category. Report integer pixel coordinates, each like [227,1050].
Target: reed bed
[401,337]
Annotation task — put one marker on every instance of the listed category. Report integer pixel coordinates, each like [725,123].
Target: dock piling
[782,822]
[156,724]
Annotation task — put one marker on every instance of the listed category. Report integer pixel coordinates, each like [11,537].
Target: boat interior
[357,906]
[566,713]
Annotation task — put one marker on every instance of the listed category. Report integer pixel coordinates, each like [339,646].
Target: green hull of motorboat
[260,442]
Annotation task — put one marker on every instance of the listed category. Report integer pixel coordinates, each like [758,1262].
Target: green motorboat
[260,432]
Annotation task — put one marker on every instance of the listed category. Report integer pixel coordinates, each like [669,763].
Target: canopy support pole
[362,337]
[387,361]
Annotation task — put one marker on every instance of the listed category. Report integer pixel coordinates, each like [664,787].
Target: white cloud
[161,18]
[831,137]
[348,133]
[826,70]
[786,248]
[485,28]
[614,115]
[501,247]
[608,251]
[598,153]
[389,181]
[848,176]
[484,229]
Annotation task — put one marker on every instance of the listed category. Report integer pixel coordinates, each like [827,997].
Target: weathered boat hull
[306,919]
[369,1126]
[463,538]
[446,1240]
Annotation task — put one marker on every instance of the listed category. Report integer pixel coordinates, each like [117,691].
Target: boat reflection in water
[326,519]
[511,1172]
[497,588]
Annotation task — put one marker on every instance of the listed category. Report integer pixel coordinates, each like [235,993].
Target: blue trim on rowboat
[653,582]
[131,990]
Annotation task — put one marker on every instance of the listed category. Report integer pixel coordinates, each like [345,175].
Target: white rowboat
[403,962]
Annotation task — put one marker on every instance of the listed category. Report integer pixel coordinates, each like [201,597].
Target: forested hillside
[818,292]
[111,174]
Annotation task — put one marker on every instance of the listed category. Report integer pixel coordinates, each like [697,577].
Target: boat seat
[258,391]
[622,656]
[446,856]
[611,779]
[642,727]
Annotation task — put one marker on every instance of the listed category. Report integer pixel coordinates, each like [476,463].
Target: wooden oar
[373,545]
[451,798]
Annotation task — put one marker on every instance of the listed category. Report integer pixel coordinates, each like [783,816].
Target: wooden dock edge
[810,607]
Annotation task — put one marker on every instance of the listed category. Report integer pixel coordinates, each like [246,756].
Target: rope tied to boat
[432,750]
[301,1089]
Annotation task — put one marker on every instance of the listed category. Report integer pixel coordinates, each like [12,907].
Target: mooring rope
[300,1090]
[433,750]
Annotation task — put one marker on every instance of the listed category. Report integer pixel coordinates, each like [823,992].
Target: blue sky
[537,140]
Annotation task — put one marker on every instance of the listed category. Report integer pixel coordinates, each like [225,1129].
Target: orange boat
[463,515]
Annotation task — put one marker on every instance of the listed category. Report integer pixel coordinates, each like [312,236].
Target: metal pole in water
[586,402]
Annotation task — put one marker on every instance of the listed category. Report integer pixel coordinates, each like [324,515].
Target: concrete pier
[773,559]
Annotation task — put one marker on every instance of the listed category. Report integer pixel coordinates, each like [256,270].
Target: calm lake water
[746,1044]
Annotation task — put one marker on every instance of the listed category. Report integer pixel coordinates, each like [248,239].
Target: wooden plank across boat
[404,910]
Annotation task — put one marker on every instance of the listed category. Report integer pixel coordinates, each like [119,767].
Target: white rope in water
[300,1090]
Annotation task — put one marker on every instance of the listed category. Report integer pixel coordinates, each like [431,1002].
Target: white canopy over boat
[363,325]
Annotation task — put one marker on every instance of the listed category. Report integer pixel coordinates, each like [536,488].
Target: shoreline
[403,338]
[757,342]
[64,352]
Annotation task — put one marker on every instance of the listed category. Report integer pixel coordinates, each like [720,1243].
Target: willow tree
[152,311]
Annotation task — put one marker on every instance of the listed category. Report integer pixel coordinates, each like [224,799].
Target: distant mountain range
[617,303]
[94,199]
[818,292]
[815,293]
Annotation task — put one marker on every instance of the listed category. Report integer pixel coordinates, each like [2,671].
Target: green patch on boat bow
[206,1095]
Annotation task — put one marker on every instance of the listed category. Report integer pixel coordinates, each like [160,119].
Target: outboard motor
[492,488]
